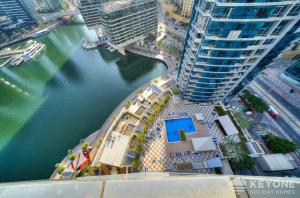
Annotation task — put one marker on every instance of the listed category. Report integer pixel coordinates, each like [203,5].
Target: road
[276,95]
[288,130]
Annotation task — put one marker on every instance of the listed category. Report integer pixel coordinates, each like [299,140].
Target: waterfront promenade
[159,55]
[95,139]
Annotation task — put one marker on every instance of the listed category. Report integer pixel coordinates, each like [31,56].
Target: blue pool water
[174,125]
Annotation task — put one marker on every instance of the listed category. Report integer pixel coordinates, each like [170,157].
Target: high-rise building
[44,6]
[19,10]
[292,74]
[122,21]
[186,8]
[226,40]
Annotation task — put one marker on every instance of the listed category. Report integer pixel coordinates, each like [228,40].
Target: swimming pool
[174,125]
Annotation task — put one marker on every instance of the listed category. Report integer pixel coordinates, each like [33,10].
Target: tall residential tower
[44,6]
[19,10]
[227,39]
[122,21]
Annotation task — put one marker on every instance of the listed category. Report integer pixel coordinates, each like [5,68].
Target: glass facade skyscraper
[226,40]
[122,21]
[19,10]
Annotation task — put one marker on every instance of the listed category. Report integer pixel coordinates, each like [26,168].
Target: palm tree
[233,150]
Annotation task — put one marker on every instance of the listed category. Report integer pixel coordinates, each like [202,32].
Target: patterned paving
[154,157]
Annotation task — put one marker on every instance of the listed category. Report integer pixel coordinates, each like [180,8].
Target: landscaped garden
[253,102]
[280,145]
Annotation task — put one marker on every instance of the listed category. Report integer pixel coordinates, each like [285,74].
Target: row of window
[247,29]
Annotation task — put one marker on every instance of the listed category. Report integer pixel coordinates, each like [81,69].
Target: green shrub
[141,137]
[146,128]
[85,146]
[246,163]
[175,90]
[60,169]
[150,119]
[280,145]
[138,149]
[72,156]
[135,164]
[182,135]
[220,111]
[254,103]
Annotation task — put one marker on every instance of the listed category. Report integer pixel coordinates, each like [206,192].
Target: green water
[65,94]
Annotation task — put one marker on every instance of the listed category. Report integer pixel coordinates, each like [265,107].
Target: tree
[161,103]
[246,162]
[141,137]
[72,157]
[138,149]
[88,171]
[135,164]
[156,109]
[60,169]
[255,103]
[220,110]
[280,145]
[232,150]
[150,119]
[175,90]
[146,128]
[182,135]
[85,146]
[141,90]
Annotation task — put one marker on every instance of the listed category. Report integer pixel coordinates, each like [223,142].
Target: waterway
[63,95]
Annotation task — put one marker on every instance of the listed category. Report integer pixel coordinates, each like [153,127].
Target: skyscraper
[186,8]
[226,40]
[19,10]
[122,21]
[44,6]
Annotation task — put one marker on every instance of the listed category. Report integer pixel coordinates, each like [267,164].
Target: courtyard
[161,155]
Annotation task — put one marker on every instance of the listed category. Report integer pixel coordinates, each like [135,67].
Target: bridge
[57,15]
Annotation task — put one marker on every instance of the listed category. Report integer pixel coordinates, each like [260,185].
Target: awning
[214,163]
[199,116]
[203,144]
[227,125]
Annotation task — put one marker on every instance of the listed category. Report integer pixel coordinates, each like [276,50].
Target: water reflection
[132,67]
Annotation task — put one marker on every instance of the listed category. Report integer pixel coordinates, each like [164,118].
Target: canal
[63,95]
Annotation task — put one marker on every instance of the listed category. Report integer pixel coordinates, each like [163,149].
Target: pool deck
[173,147]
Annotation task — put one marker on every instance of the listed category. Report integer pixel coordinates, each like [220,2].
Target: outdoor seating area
[198,148]
[120,140]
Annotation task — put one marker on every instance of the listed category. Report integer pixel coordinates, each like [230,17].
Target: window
[268,41]
[295,10]
[279,11]
[247,53]
[280,28]
[252,60]
[259,51]
[255,42]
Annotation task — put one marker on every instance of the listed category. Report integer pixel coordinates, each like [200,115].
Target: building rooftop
[115,149]
[158,185]
[227,125]
[115,5]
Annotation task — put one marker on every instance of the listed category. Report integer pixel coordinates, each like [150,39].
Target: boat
[33,48]
[89,45]
[40,33]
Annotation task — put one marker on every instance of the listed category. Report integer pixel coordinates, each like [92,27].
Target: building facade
[122,22]
[226,40]
[186,8]
[18,10]
[292,74]
[44,6]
